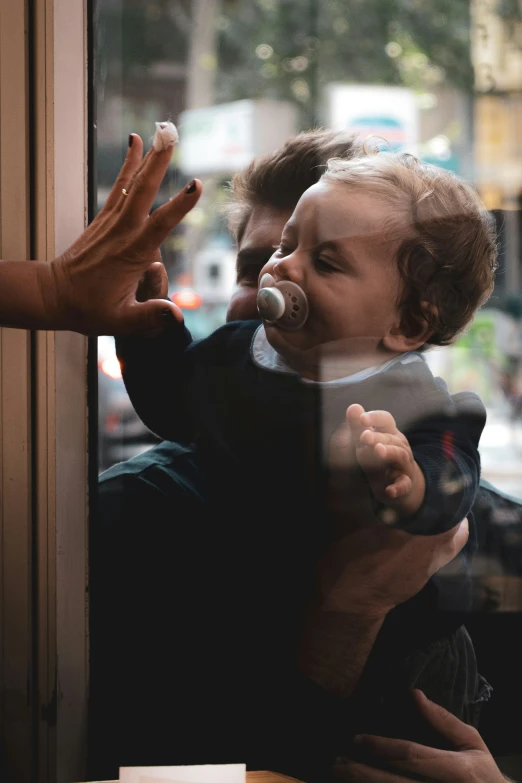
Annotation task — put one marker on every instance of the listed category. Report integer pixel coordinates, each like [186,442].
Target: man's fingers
[396,749]
[461,537]
[130,166]
[462,736]
[447,546]
[166,218]
[146,183]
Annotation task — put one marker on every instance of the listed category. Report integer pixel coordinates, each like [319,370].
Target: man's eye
[249,273]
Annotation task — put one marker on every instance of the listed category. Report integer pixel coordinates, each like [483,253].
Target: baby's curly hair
[447,254]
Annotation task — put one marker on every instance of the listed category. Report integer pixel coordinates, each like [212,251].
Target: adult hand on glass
[92,288]
[470,762]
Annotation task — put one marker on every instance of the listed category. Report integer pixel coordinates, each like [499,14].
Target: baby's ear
[398,342]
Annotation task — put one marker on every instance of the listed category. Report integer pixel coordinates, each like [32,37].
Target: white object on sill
[199,773]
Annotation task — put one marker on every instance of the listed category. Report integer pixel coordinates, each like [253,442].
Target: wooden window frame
[43,400]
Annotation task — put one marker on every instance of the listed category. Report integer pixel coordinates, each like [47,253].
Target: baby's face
[338,247]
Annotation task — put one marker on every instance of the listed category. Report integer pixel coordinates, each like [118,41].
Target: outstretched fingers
[145,183]
[131,165]
[166,218]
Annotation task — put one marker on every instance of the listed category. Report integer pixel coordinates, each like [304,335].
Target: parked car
[121,433]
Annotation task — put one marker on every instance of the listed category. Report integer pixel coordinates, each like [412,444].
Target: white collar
[266,357]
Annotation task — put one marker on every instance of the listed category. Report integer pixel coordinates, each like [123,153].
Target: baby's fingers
[353,418]
[379,420]
[372,438]
[400,487]
[398,461]
[354,415]
[394,456]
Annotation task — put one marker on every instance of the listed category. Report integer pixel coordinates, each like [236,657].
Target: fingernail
[168,318]
[131,139]
[358,739]
[191,187]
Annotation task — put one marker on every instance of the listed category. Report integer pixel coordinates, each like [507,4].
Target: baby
[383,257]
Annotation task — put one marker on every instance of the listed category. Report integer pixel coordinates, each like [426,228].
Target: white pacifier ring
[283,303]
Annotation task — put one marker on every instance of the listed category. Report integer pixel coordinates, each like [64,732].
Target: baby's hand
[386,458]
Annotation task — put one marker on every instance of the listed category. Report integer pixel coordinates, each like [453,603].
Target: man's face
[261,236]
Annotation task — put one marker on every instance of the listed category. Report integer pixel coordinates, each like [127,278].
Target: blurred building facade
[496,47]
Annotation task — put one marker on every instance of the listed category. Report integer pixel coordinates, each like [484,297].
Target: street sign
[368,110]
[226,137]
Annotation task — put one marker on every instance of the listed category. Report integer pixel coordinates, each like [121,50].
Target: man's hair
[280,178]
[447,244]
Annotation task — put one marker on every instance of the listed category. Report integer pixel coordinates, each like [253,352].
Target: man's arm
[335,647]
[381,567]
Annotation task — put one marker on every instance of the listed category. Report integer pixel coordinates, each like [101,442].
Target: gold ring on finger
[124,191]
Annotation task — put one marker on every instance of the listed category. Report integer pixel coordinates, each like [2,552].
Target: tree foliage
[290,49]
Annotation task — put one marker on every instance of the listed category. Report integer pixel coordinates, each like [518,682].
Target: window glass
[441,79]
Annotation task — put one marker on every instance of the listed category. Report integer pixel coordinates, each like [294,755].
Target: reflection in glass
[442,80]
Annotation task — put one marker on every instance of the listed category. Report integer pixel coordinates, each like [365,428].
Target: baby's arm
[425,483]
[385,456]
[153,373]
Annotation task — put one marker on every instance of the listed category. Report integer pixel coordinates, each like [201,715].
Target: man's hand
[376,568]
[365,575]
[385,457]
[103,283]
[470,762]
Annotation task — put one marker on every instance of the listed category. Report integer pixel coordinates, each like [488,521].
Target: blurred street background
[439,78]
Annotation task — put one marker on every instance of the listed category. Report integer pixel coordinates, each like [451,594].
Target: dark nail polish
[191,187]
[131,139]
[168,318]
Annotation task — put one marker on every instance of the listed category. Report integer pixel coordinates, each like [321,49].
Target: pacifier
[283,303]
